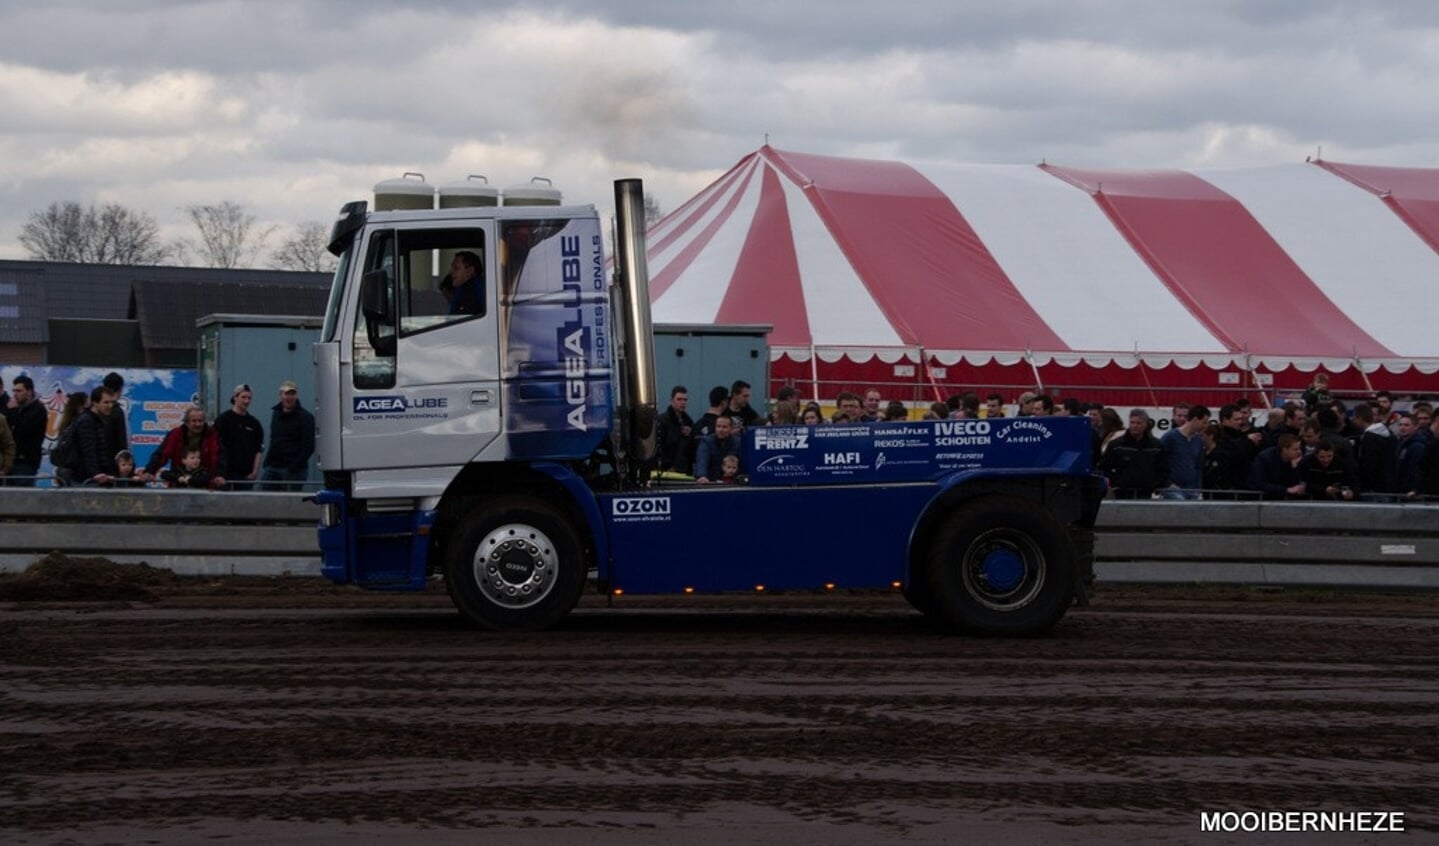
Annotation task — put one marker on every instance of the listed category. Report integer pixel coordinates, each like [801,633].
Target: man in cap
[243,439]
[292,442]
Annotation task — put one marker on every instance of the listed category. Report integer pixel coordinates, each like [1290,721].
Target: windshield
[337,295]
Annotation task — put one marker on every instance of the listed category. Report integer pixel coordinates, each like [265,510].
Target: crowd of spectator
[91,442]
[1317,448]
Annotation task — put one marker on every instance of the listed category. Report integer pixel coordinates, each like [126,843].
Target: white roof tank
[539,191]
[474,191]
[408,193]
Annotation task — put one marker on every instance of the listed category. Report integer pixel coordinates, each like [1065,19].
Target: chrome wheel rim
[1003,570]
[516,566]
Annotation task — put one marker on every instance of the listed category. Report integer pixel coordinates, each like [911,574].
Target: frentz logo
[1024,432]
[764,439]
[626,506]
[397,404]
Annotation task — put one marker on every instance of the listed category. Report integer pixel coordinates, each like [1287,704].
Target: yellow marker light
[896,585]
[619,591]
[759,588]
[689,590]
[829,585]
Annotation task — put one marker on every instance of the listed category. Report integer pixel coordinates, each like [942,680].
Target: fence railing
[1255,543]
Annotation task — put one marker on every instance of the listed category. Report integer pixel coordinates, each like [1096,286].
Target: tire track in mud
[856,716]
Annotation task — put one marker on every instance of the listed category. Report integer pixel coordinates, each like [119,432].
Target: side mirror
[375,296]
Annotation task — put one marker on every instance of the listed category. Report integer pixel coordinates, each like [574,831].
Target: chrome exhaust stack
[632,276]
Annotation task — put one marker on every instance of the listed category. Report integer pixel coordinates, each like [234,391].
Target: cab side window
[442,279]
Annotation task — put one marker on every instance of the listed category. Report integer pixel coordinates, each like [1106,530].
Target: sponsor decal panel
[640,509]
[400,406]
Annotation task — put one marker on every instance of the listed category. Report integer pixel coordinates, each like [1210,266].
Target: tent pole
[1368,385]
[926,376]
[1153,397]
[1254,381]
[814,371]
[1034,368]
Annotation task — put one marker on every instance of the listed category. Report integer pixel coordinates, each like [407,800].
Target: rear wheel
[1002,566]
[516,564]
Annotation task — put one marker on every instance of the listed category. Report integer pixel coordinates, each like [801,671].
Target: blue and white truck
[506,446]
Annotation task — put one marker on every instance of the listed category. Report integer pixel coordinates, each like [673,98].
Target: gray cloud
[292,108]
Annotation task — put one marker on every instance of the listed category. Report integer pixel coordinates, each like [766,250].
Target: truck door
[424,386]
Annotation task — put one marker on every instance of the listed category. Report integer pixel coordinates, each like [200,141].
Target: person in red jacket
[194,434]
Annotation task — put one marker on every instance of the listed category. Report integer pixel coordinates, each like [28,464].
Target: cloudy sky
[292,108]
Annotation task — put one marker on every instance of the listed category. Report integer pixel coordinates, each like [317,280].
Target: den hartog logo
[1301,821]
[640,509]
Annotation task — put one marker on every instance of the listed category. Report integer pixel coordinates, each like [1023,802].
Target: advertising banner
[154,401]
[913,451]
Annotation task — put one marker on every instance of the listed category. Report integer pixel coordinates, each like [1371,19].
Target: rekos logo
[398,404]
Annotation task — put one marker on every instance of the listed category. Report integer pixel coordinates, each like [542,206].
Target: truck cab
[486,414]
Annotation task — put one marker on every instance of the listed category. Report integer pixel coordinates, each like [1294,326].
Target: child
[190,474]
[730,466]
[125,477]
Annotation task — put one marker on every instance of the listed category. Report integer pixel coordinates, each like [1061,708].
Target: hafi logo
[398,404]
[629,506]
[1024,432]
[841,459]
[765,439]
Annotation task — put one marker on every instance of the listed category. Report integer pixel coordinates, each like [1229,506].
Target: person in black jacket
[116,424]
[1410,456]
[292,442]
[1325,477]
[1235,451]
[1275,472]
[1429,464]
[1134,462]
[672,432]
[95,464]
[242,439]
[28,420]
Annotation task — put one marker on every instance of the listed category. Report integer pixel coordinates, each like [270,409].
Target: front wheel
[1002,566]
[516,564]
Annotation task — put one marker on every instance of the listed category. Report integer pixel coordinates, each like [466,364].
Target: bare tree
[109,234]
[652,210]
[228,234]
[306,249]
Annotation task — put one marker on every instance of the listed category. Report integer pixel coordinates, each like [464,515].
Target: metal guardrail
[1255,543]
[189,532]
[1330,544]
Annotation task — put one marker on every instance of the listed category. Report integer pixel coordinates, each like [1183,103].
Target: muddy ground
[174,710]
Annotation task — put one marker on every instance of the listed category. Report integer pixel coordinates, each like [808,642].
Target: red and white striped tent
[1146,287]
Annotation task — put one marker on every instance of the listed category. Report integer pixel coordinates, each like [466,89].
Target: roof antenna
[766,139]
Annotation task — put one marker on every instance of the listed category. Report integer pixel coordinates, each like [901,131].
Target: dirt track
[322,716]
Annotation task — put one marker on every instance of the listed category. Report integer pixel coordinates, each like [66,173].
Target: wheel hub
[1003,569]
[515,565]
